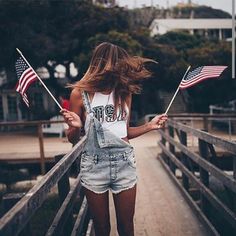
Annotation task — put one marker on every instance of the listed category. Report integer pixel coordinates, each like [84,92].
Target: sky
[225,5]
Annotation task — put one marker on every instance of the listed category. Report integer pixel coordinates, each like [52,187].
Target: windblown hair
[111,67]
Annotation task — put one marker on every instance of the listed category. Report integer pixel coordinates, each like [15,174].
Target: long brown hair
[111,67]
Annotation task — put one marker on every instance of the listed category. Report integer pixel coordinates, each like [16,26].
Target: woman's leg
[98,204]
[125,206]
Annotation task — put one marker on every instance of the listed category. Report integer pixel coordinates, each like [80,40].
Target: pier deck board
[24,148]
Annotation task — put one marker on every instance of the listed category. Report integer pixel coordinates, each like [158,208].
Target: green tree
[212,91]
[180,40]
[55,31]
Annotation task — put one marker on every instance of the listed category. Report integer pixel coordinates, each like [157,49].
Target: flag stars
[26,76]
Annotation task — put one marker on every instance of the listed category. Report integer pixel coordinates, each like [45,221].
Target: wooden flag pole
[177,91]
[58,104]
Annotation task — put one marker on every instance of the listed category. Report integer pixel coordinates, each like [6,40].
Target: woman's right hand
[158,121]
[71,118]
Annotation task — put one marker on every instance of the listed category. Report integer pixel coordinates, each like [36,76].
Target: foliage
[211,53]
[180,40]
[177,50]
[214,90]
[206,12]
[51,32]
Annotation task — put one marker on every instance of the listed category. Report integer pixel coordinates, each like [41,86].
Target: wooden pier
[163,206]
[160,207]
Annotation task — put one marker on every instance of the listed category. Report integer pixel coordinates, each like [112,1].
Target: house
[217,28]
[42,106]
[12,108]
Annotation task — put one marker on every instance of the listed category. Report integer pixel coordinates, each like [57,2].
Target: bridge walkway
[160,207]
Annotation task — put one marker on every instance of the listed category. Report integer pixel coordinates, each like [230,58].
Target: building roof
[190,24]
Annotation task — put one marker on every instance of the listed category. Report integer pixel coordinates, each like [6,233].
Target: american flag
[201,73]
[26,76]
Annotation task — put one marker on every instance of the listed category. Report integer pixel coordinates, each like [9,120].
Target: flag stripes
[25,81]
[200,74]
[26,76]
[25,99]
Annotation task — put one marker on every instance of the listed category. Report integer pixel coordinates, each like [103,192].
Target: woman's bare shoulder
[76,101]
[76,95]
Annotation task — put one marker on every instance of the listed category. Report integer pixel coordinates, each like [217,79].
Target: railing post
[172,148]
[8,201]
[183,140]
[63,184]
[230,130]
[204,175]
[234,167]
[41,149]
[234,176]
[63,189]
[163,141]
[205,123]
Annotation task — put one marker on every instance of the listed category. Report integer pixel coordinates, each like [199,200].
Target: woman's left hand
[158,121]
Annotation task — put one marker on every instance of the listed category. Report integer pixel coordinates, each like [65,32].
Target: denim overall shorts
[107,161]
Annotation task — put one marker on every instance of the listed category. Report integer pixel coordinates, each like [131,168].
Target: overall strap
[86,102]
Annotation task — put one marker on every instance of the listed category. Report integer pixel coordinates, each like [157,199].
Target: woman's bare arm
[156,123]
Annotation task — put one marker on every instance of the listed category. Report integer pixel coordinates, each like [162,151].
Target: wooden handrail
[30,123]
[229,215]
[18,216]
[194,116]
[210,138]
[189,162]
[228,115]
[171,115]
[224,178]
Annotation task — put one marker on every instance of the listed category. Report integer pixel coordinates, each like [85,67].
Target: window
[12,107]
[1,108]
[38,101]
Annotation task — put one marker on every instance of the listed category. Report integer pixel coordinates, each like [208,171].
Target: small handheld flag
[201,73]
[27,75]
[197,75]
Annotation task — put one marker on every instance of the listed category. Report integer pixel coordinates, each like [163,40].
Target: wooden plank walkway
[160,207]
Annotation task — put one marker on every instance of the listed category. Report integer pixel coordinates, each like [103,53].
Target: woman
[101,103]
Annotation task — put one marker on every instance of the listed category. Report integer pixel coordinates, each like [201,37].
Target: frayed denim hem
[89,188]
[129,187]
[113,191]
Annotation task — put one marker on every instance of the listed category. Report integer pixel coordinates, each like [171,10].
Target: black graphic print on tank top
[107,113]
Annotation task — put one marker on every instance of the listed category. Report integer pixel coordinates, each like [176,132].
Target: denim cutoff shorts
[101,171]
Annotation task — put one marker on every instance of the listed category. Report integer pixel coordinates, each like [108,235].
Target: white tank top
[103,107]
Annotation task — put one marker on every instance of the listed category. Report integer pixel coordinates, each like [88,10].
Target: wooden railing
[196,168]
[204,117]
[19,216]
